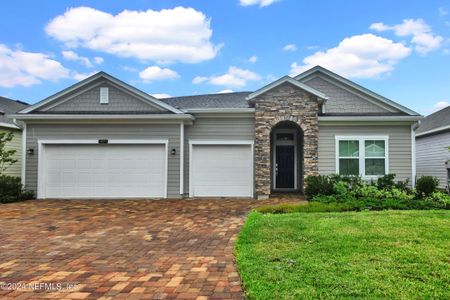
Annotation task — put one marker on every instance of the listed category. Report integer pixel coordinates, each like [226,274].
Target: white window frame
[104,95]
[362,153]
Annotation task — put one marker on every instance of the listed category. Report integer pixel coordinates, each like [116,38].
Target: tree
[6,156]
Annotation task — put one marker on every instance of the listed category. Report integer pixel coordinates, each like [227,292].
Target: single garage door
[103,171]
[221,171]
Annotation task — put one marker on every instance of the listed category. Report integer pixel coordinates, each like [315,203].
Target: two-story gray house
[102,138]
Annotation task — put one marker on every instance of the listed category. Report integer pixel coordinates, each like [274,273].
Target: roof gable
[83,97]
[354,88]
[8,107]
[436,122]
[283,80]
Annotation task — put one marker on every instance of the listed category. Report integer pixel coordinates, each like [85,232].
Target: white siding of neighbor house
[216,128]
[15,144]
[432,153]
[399,146]
[106,131]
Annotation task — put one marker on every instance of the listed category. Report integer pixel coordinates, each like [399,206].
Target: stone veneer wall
[284,103]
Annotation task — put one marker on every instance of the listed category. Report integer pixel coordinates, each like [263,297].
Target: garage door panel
[104,171]
[222,170]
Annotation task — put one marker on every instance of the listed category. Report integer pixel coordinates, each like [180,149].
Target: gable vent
[104,95]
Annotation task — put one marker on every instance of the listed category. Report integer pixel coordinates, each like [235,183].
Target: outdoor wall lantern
[173,151]
[30,151]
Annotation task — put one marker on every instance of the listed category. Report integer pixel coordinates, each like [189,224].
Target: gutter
[219,110]
[9,125]
[103,117]
[370,118]
[436,130]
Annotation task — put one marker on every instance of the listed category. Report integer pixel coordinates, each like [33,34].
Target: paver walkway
[121,249]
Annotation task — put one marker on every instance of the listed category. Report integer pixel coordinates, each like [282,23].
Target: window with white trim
[363,156]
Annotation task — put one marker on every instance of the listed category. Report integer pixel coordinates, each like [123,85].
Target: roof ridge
[210,94]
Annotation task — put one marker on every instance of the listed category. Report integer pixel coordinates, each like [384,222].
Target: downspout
[182,159]
[414,126]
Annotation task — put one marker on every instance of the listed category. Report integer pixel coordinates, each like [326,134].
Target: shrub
[426,185]
[318,185]
[11,190]
[386,182]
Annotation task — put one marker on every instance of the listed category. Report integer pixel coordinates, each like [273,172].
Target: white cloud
[80,76]
[312,47]
[130,69]
[235,77]
[422,35]
[290,47]
[154,73]
[98,60]
[22,68]
[169,35]
[161,95]
[70,55]
[440,105]
[359,56]
[261,3]
[225,91]
[442,11]
[252,59]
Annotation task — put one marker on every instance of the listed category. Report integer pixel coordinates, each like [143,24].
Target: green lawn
[347,255]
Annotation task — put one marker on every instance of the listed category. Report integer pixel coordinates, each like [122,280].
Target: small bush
[11,190]
[386,182]
[426,185]
[318,185]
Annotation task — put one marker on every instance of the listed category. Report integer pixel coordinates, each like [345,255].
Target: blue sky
[400,49]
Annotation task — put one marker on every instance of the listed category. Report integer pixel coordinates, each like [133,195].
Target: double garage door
[141,171]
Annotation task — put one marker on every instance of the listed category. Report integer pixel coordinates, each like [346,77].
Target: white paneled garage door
[221,170]
[102,171]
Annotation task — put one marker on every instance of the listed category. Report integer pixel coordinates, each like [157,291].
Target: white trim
[8,125]
[104,117]
[94,77]
[442,128]
[413,156]
[219,142]
[41,192]
[356,87]
[292,81]
[362,154]
[181,158]
[369,118]
[274,157]
[24,154]
[219,110]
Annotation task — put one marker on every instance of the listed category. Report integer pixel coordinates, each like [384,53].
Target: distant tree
[6,156]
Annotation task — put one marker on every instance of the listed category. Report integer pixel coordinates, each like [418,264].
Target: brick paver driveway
[130,249]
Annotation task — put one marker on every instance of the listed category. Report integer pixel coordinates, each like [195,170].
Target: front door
[285,167]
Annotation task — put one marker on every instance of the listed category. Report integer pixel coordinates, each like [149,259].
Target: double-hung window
[366,156]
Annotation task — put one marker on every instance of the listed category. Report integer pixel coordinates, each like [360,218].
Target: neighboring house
[102,138]
[432,142]
[7,107]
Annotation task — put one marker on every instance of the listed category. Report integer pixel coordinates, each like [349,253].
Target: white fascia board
[103,117]
[369,118]
[356,87]
[219,110]
[435,130]
[9,125]
[110,78]
[292,81]
[221,142]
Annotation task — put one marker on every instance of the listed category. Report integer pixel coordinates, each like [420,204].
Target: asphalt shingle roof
[225,100]
[435,120]
[9,106]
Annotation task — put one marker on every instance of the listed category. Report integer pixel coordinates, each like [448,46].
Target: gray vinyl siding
[16,144]
[171,132]
[341,100]
[207,128]
[431,154]
[89,101]
[399,146]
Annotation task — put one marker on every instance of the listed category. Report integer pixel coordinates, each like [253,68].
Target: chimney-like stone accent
[284,103]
